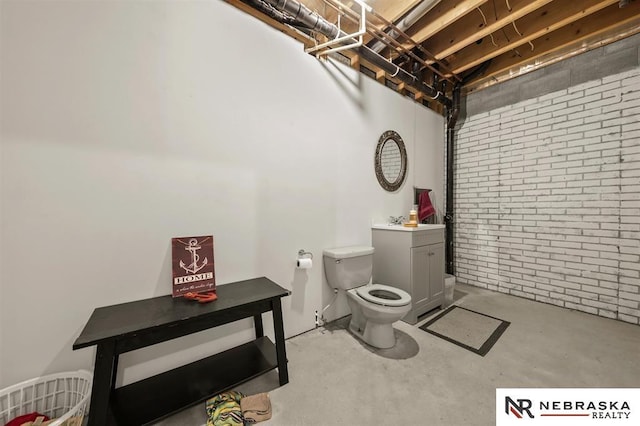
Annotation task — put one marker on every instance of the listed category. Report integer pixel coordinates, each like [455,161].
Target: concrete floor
[335,379]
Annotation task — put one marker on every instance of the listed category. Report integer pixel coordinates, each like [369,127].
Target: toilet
[374,307]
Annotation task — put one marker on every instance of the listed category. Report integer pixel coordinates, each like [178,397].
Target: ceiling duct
[270,11]
[407,21]
[306,18]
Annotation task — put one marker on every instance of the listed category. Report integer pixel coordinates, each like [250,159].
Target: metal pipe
[303,14]
[408,20]
[361,31]
[399,48]
[393,43]
[270,11]
[407,39]
[315,22]
[452,119]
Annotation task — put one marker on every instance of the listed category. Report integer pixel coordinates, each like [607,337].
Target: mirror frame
[391,186]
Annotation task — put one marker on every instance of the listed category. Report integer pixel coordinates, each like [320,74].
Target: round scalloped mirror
[390,161]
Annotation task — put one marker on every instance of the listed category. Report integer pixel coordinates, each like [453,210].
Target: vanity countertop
[420,227]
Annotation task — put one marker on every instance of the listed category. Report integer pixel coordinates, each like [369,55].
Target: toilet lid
[384,295]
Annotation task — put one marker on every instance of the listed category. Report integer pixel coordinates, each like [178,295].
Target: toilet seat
[384,295]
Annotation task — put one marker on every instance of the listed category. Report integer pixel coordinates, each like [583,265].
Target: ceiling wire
[516,28]
[495,13]
[485,24]
[520,34]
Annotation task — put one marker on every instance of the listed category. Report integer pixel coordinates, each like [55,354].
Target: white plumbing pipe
[361,31]
[412,17]
[313,21]
[320,321]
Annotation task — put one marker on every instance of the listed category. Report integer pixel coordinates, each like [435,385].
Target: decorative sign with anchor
[192,264]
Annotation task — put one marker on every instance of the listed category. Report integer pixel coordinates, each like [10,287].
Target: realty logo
[567,406]
[517,408]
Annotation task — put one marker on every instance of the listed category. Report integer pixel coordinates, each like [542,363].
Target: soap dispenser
[413,217]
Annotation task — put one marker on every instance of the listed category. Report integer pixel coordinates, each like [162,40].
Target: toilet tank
[348,267]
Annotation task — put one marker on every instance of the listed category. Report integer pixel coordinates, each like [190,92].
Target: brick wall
[547,198]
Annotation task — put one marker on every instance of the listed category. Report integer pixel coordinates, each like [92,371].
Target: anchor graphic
[192,248]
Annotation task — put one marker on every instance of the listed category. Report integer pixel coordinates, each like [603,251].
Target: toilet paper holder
[302,253]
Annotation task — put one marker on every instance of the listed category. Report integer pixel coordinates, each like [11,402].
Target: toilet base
[379,336]
[373,324]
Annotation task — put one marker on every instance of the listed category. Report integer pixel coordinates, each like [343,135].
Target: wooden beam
[355,61]
[544,20]
[473,27]
[321,8]
[392,10]
[329,11]
[443,14]
[582,35]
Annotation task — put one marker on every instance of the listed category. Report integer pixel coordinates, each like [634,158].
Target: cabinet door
[420,275]
[436,271]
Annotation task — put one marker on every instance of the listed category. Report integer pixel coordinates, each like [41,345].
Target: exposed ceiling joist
[607,25]
[394,10]
[455,37]
[486,19]
[444,14]
[545,20]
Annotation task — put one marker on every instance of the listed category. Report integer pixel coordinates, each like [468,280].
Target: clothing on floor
[224,409]
[256,408]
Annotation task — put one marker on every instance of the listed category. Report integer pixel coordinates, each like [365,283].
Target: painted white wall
[127,123]
[2,338]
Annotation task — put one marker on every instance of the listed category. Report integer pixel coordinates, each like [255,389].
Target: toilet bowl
[372,316]
[374,307]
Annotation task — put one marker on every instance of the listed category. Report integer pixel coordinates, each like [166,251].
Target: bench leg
[257,322]
[103,380]
[281,353]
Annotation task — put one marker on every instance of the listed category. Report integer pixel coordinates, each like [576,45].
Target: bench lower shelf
[160,396]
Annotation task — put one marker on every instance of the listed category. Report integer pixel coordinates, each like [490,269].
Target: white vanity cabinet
[411,259]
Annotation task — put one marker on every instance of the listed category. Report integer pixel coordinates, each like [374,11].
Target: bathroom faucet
[396,220]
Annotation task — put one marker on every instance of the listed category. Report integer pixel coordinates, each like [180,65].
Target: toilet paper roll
[305,263]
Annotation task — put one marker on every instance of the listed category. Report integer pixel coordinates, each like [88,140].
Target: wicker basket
[63,397]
